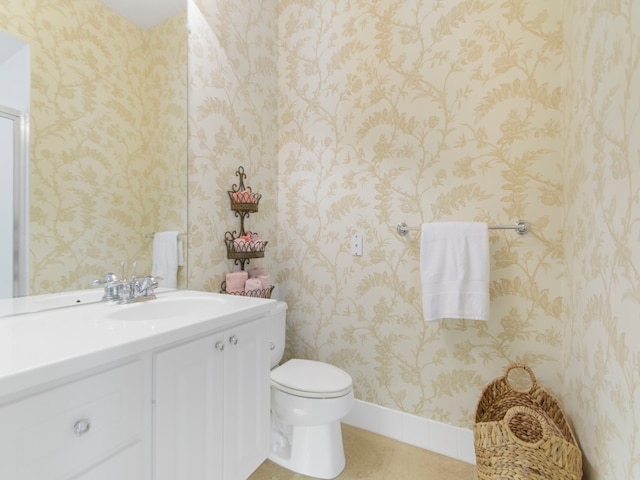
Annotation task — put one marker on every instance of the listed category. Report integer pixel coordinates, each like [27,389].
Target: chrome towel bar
[521,227]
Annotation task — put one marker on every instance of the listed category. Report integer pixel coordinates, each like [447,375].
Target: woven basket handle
[527,369]
[521,409]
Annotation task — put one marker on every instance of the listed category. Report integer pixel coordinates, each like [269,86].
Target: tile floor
[374,457]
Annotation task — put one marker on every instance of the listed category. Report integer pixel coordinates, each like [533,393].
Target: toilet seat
[311,379]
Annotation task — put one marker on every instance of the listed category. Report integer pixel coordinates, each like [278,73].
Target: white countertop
[46,337]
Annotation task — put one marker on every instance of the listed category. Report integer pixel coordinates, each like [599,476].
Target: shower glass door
[13,212]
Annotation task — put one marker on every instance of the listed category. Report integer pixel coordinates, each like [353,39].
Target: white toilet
[308,400]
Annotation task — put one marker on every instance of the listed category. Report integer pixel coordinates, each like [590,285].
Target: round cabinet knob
[233,340]
[272,346]
[220,345]
[81,427]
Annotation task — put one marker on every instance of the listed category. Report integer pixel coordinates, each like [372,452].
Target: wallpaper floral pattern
[108,138]
[233,101]
[427,111]
[602,233]
[420,111]
[349,117]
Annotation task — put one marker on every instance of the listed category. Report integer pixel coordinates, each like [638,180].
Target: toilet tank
[277,330]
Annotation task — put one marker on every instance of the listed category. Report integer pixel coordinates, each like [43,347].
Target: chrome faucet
[139,290]
[127,291]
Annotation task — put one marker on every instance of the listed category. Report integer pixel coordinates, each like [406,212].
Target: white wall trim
[454,442]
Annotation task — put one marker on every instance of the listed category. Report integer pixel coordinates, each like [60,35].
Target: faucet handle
[148,284]
[108,278]
[111,286]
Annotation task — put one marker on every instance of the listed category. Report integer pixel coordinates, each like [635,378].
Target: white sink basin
[165,308]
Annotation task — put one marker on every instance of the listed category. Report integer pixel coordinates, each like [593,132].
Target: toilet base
[315,451]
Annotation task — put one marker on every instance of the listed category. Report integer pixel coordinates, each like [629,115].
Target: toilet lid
[308,378]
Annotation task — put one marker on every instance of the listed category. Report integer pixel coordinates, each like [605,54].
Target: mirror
[14,215]
[107,139]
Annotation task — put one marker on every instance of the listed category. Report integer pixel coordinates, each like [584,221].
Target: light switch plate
[356,245]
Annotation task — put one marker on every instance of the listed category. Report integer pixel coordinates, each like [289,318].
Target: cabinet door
[76,426]
[188,411]
[246,388]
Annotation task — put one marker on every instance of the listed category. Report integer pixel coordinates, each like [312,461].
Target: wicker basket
[523,434]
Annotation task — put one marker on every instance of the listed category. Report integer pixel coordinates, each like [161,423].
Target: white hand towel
[167,255]
[454,268]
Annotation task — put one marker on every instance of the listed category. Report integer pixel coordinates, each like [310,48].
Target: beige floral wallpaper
[602,233]
[420,111]
[423,111]
[233,101]
[349,117]
[108,137]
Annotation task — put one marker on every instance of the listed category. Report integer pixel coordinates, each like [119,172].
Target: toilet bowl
[308,400]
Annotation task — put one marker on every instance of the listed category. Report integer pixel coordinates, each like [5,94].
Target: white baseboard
[454,442]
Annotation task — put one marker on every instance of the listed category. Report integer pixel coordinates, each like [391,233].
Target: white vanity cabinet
[171,389]
[211,405]
[91,428]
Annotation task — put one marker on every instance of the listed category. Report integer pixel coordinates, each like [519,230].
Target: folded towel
[454,268]
[264,279]
[243,196]
[257,271]
[252,284]
[257,246]
[235,281]
[240,245]
[167,256]
[261,274]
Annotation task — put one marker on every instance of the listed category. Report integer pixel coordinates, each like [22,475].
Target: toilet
[308,400]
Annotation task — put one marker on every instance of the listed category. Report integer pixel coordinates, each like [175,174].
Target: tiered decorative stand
[244,202]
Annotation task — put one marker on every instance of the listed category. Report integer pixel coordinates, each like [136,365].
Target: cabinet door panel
[246,389]
[61,431]
[126,465]
[188,411]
